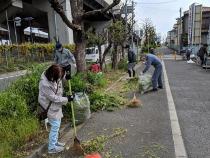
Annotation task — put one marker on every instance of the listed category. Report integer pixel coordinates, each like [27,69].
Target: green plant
[95,145]
[28,85]
[104,101]
[12,105]
[96,79]
[78,83]
[15,132]
[123,65]
[98,143]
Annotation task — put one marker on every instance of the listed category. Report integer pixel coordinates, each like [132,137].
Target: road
[190,86]
[8,78]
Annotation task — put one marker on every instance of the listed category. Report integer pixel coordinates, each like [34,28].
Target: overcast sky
[163,13]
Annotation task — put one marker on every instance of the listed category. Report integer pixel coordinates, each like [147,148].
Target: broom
[77,148]
[134,102]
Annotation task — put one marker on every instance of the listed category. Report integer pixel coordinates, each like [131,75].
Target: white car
[92,54]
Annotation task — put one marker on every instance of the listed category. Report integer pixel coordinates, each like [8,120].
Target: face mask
[60,50]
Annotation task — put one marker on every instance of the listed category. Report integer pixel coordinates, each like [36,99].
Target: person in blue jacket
[153,60]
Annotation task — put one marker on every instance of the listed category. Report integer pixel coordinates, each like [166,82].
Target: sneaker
[154,89]
[56,150]
[160,87]
[60,144]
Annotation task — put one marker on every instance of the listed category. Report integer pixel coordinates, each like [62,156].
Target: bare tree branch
[101,11]
[59,9]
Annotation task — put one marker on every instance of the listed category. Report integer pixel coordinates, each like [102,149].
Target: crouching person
[51,98]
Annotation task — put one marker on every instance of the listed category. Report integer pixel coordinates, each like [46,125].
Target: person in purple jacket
[153,60]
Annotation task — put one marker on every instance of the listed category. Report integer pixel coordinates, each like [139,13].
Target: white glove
[141,73]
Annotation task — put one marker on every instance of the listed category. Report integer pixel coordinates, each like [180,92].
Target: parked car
[92,54]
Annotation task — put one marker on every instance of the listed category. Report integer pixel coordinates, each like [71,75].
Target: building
[191,29]
[39,14]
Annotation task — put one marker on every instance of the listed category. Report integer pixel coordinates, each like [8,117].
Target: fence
[17,55]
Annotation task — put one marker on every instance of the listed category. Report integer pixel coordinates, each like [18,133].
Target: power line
[164,2]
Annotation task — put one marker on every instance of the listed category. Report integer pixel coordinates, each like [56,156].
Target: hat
[58,45]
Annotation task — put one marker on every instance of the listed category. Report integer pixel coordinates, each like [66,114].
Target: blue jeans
[157,77]
[53,136]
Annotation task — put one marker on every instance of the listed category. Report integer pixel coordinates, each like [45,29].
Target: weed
[123,65]
[98,143]
[96,79]
[105,101]
[153,151]
[131,85]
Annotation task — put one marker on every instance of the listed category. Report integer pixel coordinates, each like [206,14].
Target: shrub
[123,65]
[96,79]
[12,105]
[14,132]
[28,86]
[78,83]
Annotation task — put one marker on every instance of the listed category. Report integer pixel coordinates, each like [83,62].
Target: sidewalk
[148,128]
[7,78]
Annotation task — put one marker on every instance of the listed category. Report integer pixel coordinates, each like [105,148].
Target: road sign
[129,10]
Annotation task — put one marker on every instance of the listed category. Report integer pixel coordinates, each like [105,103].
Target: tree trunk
[123,51]
[114,57]
[100,55]
[105,53]
[80,43]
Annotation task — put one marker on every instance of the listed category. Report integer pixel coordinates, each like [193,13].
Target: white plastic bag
[81,107]
[145,83]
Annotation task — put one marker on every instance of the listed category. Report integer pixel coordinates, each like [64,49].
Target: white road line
[179,147]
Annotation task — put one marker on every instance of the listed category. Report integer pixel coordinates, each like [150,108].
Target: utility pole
[132,23]
[180,33]
[10,42]
[56,27]
[15,31]
[126,15]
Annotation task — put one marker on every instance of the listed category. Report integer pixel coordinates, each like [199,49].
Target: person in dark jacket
[202,53]
[131,61]
[153,60]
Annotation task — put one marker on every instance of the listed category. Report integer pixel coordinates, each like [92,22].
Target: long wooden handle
[72,110]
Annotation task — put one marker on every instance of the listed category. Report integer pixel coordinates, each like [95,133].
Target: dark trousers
[131,69]
[157,77]
[202,60]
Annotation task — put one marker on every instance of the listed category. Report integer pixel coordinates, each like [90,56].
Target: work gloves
[70,97]
[67,68]
[68,76]
[68,72]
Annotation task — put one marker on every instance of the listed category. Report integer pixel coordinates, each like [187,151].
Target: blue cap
[58,45]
